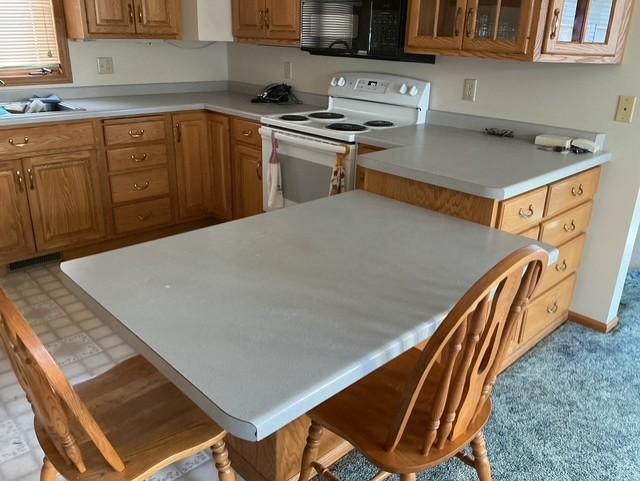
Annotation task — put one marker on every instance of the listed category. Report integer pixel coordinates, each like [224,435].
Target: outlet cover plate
[470,89]
[626,108]
[105,65]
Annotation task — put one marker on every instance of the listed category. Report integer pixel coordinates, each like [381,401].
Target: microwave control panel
[371,85]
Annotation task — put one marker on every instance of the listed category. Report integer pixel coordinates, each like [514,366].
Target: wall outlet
[626,108]
[470,88]
[105,65]
[288,71]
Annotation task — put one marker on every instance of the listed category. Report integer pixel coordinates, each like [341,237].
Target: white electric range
[308,142]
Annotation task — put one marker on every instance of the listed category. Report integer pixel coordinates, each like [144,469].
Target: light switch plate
[105,65]
[626,108]
[470,88]
[288,70]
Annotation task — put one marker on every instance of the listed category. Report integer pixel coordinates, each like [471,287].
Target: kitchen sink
[17,108]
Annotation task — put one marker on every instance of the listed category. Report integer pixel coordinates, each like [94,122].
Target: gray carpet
[569,410]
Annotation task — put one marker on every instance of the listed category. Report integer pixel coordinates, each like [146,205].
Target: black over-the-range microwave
[357,28]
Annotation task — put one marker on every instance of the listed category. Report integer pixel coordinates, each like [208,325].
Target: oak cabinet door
[193,164]
[248,172]
[282,19]
[249,18]
[110,16]
[65,201]
[435,25]
[16,234]
[158,17]
[221,192]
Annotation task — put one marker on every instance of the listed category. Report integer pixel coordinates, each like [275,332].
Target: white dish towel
[275,199]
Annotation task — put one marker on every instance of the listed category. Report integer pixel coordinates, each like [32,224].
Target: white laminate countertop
[225,102]
[470,161]
[262,319]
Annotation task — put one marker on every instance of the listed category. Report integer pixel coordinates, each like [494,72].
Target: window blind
[27,35]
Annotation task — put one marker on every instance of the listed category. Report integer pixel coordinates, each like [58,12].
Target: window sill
[12,80]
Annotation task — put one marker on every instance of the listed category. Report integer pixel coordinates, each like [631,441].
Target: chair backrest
[468,349]
[52,397]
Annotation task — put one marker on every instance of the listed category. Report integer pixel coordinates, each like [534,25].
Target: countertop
[470,161]
[225,102]
[259,320]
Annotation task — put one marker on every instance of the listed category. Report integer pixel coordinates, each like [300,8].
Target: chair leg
[310,453]
[223,465]
[481,460]
[48,472]
[408,477]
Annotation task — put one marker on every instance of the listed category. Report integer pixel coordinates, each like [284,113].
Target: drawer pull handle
[32,185]
[577,192]
[144,186]
[247,133]
[525,214]
[136,134]
[562,267]
[553,309]
[20,180]
[24,142]
[138,159]
[144,217]
[570,227]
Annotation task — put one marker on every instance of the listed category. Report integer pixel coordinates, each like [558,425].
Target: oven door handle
[314,144]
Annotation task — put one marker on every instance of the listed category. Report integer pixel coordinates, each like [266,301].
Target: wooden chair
[124,425]
[425,407]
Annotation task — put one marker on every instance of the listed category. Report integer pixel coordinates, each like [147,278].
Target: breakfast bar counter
[262,319]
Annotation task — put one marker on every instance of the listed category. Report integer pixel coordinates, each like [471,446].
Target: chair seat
[149,421]
[361,415]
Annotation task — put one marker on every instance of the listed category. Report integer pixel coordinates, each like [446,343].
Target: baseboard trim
[593,324]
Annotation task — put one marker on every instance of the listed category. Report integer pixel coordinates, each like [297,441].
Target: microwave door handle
[312,144]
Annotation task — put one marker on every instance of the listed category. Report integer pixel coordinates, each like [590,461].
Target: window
[33,46]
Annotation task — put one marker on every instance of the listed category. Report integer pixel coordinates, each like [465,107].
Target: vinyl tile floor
[84,347]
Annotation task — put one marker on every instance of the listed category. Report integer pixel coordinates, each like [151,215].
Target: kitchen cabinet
[193,164]
[274,22]
[16,234]
[87,19]
[221,178]
[64,199]
[558,214]
[248,172]
[589,31]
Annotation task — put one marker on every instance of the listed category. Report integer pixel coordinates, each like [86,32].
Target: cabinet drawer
[246,132]
[572,191]
[566,226]
[522,211]
[142,215]
[134,132]
[568,263]
[136,157]
[548,308]
[139,185]
[61,136]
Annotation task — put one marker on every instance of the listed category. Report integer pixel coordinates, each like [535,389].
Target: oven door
[306,164]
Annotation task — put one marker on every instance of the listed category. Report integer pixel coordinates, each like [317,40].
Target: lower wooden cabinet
[221,203]
[248,172]
[16,234]
[65,199]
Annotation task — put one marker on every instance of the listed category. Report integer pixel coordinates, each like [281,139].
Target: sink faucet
[2,83]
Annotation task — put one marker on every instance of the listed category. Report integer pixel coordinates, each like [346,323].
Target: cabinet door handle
[562,267]
[570,227]
[261,18]
[577,192]
[138,159]
[457,22]
[556,24]
[20,180]
[553,308]
[140,15]
[32,184]
[132,18]
[139,187]
[136,134]
[470,12]
[525,214]
[266,19]
[144,217]
[178,132]
[259,170]
[24,142]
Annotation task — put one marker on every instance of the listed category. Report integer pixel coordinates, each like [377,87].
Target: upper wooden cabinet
[274,22]
[123,18]
[587,31]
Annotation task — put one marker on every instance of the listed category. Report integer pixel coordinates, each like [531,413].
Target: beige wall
[578,96]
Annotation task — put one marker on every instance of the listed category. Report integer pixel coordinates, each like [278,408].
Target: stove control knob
[334,81]
[342,82]
[403,89]
[413,91]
